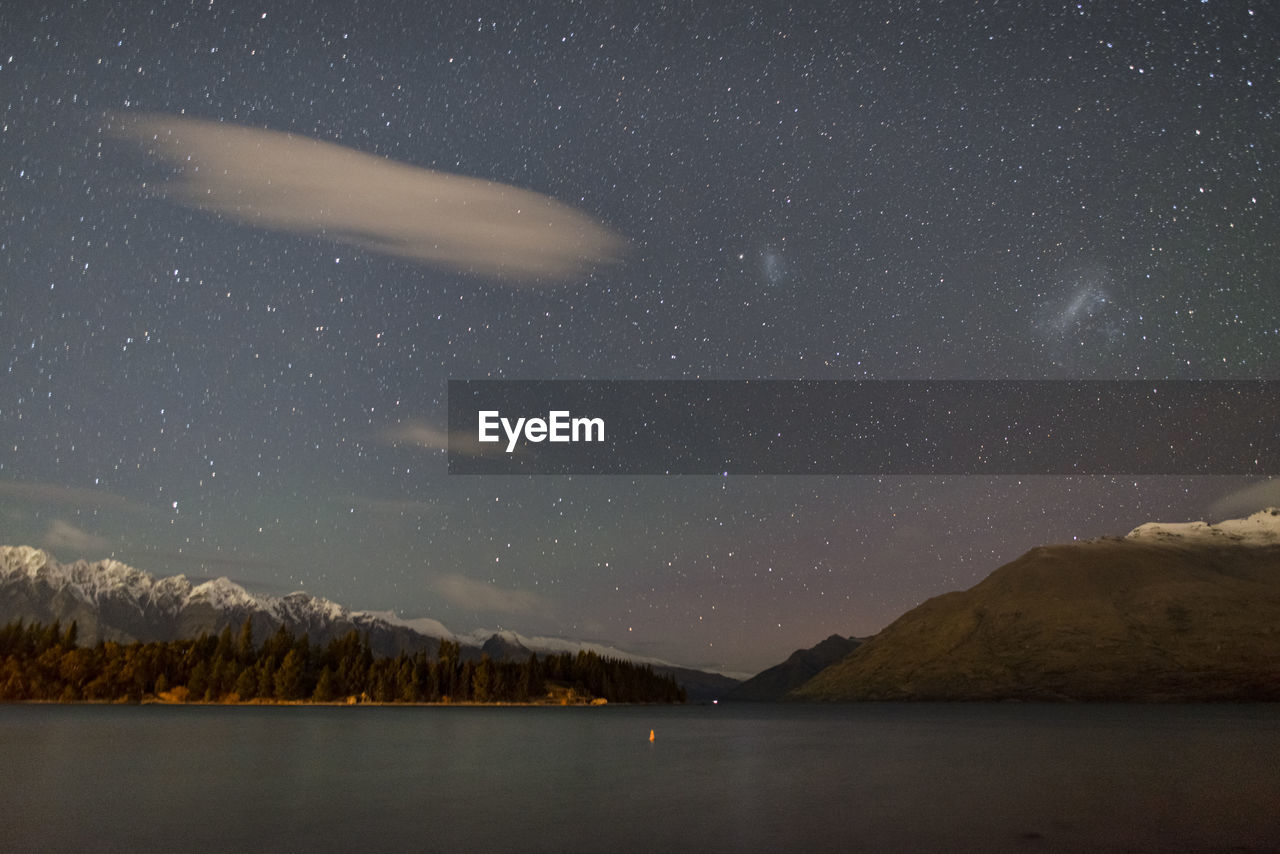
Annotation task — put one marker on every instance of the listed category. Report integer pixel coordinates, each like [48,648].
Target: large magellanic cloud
[292,183]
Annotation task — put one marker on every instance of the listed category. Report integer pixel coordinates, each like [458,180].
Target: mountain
[505,646]
[110,600]
[698,685]
[1260,529]
[799,668]
[1170,612]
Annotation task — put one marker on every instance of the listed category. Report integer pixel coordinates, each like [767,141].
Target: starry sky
[879,190]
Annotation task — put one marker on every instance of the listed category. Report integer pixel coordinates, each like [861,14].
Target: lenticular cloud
[291,183]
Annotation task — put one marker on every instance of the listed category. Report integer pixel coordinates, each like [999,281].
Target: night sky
[195,382]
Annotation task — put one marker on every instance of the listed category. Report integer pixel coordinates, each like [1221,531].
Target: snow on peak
[110,580]
[421,625]
[1260,529]
[22,559]
[223,593]
[301,604]
[104,580]
[543,645]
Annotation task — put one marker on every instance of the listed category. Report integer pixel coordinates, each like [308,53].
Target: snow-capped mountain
[1260,529]
[1171,613]
[541,645]
[110,600]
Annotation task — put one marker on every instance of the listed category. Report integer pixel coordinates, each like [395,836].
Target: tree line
[45,662]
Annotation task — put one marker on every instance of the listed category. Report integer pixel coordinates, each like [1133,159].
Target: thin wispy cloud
[423,435]
[203,560]
[63,536]
[291,183]
[1250,499]
[475,595]
[78,497]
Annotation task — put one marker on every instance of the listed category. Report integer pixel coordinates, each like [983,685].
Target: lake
[870,777]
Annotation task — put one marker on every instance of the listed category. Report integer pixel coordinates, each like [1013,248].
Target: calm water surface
[876,777]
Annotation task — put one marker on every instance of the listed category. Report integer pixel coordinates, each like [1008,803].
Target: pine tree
[530,680]
[266,680]
[198,682]
[247,684]
[50,637]
[406,684]
[224,648]
[482,681]
[244,642]
[289,677]
[326,688]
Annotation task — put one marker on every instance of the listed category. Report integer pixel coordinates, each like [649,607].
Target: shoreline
[154,701]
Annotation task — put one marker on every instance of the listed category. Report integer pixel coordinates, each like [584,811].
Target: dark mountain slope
[1136,619]
[801,666]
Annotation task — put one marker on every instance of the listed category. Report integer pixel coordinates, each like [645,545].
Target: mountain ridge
[111,600]
[1174,613]
[776,682]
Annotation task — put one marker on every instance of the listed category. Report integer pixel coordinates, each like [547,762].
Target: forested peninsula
[45,663]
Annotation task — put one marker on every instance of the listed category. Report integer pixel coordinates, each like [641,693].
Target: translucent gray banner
[890,427]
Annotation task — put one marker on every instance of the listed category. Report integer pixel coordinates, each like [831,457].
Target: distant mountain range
[803,664]
[1172,612]
[110,600]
